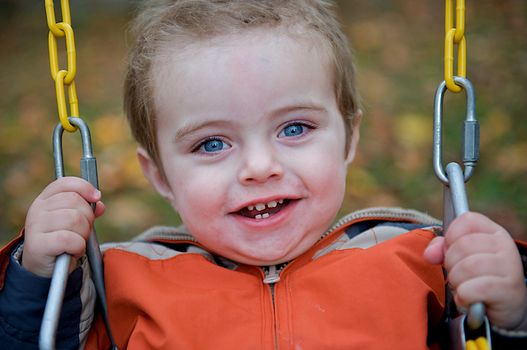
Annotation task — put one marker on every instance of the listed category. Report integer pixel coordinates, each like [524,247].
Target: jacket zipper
[271,277]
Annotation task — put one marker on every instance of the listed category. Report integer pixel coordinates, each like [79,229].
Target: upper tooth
[260,206]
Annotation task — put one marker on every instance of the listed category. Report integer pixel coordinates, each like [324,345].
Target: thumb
[99,209]
[435,252]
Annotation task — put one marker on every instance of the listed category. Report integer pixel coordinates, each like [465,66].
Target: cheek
[325,167]
[197,192]
[328,178]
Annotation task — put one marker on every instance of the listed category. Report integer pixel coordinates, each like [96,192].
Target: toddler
[246,117]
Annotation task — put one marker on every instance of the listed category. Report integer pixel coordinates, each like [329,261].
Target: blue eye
[213,145]
[294,129]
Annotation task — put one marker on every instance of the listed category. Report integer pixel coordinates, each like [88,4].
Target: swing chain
[63,77]
[454,178]
[88,170]
[455,36]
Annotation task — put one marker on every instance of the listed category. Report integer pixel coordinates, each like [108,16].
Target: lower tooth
[261,216]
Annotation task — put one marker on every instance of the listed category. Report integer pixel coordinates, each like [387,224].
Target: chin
[266,258]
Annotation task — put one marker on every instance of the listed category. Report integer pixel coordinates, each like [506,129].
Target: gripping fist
[59,221]
[483,265]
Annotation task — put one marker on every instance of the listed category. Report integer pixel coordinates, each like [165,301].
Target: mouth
[260,211]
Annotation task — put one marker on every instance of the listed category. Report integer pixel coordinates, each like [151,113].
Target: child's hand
[483,265]
[59,221]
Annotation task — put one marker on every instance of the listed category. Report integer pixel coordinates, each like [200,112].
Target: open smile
[261,211]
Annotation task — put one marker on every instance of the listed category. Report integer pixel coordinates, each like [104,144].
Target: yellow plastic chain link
[478,344]
[63,77]
[455,36]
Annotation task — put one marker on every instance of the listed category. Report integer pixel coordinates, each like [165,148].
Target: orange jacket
[351,290]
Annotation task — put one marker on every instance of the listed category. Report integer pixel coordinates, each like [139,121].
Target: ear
[154,175]
[355,136]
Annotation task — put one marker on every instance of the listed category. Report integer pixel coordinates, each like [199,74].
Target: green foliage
[399,51]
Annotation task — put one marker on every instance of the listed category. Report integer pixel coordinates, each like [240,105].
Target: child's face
[247,123]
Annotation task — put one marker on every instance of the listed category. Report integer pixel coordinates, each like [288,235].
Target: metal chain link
[63,78]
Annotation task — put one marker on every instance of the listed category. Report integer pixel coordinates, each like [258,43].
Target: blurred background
[398,48]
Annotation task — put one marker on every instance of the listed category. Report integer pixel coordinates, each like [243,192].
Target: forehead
[241,58]
[182,44]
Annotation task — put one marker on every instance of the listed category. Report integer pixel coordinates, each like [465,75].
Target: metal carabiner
[88,169]
[471,131]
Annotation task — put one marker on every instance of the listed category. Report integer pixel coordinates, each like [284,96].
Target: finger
[72,184]
[477,290]
[99,209]
[53,245]
[467,245]
[61,220]
[468,223]
[62,242]
[474,266]
[68,242]
[66,200]
[434,253]
[71,200]
[506,303]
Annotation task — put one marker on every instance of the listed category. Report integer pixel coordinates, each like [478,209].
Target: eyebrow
[193,126]
[299,107]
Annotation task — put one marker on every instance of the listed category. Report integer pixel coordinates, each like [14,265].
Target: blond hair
[162,22]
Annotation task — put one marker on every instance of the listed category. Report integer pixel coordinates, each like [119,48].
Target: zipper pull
[271,274]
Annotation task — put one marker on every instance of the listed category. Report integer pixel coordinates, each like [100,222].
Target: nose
[260,163]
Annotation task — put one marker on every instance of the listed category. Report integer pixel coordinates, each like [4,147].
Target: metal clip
[471,131]
[458,333]
[88,169]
